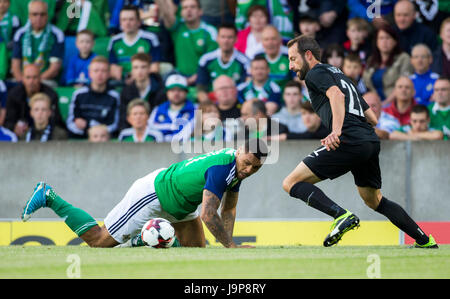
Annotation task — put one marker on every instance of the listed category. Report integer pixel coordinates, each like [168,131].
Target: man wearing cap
[175,117]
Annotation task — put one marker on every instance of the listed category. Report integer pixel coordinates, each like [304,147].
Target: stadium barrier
[257,233]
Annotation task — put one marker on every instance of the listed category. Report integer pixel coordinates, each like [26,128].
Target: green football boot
[340,226]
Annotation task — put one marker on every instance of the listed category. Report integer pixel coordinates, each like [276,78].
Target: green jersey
[440,119]
[121,51]
[279,67]
[211,67]
[129,135]
[191,44]
[180,187]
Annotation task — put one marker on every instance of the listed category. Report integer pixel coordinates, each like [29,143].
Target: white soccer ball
[158,233]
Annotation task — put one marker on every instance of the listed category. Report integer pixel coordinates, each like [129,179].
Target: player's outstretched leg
[78,220]
[397,215]
[300,184]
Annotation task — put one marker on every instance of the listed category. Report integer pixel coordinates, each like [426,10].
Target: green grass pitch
[220,263]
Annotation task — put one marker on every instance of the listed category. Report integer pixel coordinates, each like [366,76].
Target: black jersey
[355,129]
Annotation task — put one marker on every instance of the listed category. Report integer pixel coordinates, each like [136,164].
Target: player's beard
[304,70]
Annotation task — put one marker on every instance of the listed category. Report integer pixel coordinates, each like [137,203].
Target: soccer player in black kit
[352,145]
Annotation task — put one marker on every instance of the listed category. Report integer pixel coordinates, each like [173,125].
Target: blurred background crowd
[142,70]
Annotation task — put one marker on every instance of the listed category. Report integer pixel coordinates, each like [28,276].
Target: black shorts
[360,159]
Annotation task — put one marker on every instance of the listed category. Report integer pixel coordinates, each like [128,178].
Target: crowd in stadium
[138,71]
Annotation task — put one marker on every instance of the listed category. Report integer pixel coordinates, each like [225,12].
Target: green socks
[76,219]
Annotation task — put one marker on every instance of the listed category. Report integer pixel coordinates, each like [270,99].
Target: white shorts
[139,205]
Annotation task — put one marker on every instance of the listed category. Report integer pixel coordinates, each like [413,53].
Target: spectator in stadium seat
[98,133]
[18,117]
[138,112]
[217,12]
[260,86]
[352,68]
[191,36]
[334,55]
[441,56]
[257,123]
[440,107]
[131,41]
[208,126]
[174,118]
[7,135]
[404,101]
[94,104]
[9,23]
[358,43]
[314,127]
[225,60]
[249,40]
[308,24]
[145,85]
[418,129]
[77,70]
[42,128]
[279,12]
[290,115]
[332,15]
[225,94]
[386,122]
[409,30]
[423,78]
[40,43]
[386,64]
[21,9]
[276,55]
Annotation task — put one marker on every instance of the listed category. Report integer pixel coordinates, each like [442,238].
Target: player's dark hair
[306,43]
[420,109]
[257,147]
[134,8]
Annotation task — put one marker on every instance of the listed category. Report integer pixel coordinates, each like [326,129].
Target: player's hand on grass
[331,142]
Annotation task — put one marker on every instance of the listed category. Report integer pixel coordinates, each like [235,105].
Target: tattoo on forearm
[212,220]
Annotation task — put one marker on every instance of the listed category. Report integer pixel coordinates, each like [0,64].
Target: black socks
[398,216]
[315,198]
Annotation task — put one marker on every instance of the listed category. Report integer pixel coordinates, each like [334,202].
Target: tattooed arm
[213,222]
[228,211]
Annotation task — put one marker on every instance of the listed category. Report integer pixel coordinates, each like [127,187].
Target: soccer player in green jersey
[173,193]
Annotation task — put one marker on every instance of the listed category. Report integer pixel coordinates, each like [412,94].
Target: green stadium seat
[64,98]
[101,46]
